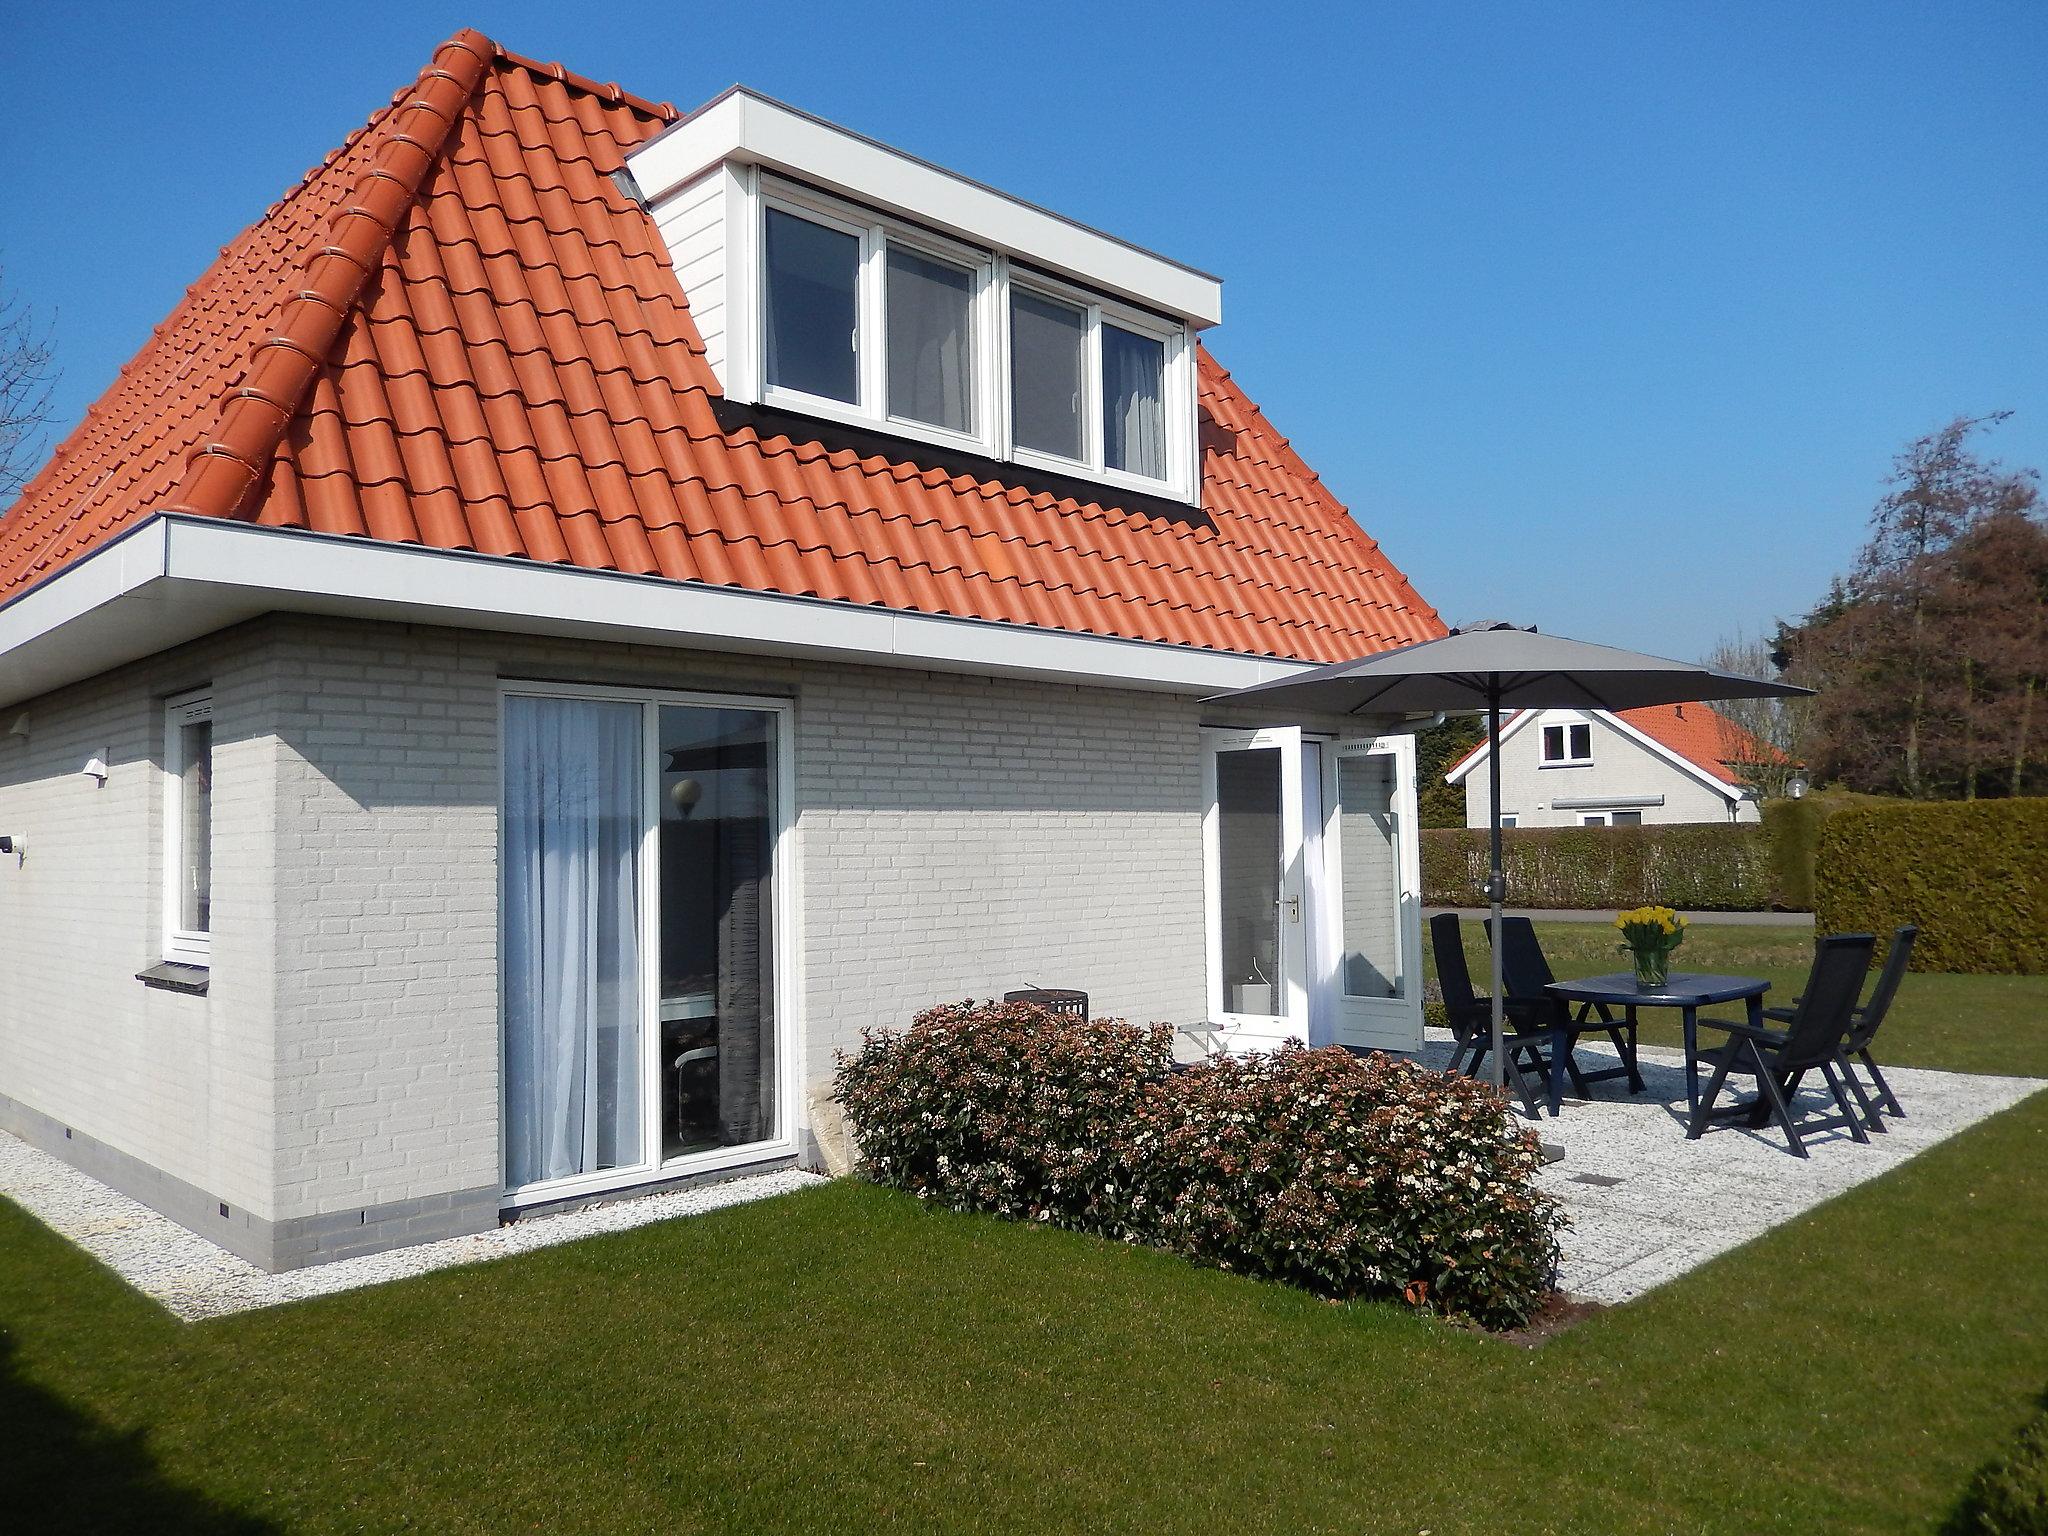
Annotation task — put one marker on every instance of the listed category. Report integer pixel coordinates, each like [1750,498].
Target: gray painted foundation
[270,1245]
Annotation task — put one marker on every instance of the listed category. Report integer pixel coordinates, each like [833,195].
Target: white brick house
[583,610]
[1592,768]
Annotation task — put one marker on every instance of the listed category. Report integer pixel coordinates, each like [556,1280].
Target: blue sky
[1606,318]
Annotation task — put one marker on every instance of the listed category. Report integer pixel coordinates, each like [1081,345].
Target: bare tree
[1763,741]
[1940,491]
[27,375]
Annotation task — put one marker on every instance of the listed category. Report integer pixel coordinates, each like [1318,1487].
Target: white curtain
[931,341]
[570,937]
[1133,402]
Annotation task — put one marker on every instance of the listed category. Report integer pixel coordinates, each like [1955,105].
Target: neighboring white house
[1589,768]
[582,610]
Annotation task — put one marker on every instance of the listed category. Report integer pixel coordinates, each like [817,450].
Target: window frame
[182,946]
[1566,727]
[995,276]
[877,233]
[1177,400]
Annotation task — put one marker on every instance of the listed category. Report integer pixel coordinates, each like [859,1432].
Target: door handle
[1293,906]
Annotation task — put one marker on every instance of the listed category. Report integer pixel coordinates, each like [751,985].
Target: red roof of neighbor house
[458,332]
[1698,733]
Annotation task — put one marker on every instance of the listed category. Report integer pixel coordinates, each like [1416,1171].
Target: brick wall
[955,835]
[182,1084]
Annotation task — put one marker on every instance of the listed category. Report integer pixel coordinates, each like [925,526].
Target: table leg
[1692,1059]
[1560,1059]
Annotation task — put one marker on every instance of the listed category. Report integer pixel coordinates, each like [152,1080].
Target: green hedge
[1972,874]
[1713,867]
[1792,827]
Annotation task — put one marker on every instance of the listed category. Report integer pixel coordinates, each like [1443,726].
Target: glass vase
[1653,969]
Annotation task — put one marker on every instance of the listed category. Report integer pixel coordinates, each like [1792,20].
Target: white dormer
[838,278]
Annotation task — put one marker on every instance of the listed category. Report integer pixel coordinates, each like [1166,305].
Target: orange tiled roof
[458,332]
[1700,734]
[1696,732]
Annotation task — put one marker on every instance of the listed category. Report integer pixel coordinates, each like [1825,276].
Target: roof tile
[457,331]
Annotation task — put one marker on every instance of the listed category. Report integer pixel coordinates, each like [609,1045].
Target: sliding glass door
[641,837]
[571,939]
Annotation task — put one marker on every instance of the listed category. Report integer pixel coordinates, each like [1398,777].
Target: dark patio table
[1686,991]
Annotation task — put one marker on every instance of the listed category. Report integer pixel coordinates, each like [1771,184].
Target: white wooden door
[1257,914]
[1369,917]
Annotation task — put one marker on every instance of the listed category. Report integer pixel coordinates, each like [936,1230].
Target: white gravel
[1673,1204]
[193,1278]
[1676,1204]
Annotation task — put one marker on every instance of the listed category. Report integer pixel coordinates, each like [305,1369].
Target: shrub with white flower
[1349,1176]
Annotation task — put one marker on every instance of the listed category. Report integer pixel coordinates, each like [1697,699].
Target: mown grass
[847,1360]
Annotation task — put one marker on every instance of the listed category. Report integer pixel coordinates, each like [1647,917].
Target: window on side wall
[1568,743]
[188,828]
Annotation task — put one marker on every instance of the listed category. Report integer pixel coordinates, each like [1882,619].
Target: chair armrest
[1782,1015]
[1748,1031]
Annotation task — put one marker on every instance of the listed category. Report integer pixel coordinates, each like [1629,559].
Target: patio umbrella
[1494,667]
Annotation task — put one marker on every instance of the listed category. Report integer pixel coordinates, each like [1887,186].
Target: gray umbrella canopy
[1515,668]
[1495,667]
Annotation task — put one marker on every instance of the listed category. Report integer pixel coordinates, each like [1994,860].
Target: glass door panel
[716,997]
[1370,877]
[1373,882]
[570,938]
[1252,829]
[1251,861]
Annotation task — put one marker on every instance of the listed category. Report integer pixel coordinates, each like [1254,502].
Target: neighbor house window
[1628,818]
[867,319]
[1567,743]
[188,828]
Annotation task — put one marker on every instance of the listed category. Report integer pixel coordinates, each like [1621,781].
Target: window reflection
[717,996]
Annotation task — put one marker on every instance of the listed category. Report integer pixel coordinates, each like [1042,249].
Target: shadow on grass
[61,1470]
[2008,1495]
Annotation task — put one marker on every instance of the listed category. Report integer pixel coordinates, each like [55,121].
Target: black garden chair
[1526,975]
[1815,1038]
[1867,1019]
[1470,1015]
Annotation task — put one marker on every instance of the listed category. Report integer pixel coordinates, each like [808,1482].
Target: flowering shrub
[1347,1176]
[1007,1108]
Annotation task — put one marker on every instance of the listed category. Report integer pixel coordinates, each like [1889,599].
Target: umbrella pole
[1496,880]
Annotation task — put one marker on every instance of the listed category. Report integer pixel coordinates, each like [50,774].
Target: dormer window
[834,278]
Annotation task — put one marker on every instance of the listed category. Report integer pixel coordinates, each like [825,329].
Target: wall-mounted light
[684,794]
[96,768]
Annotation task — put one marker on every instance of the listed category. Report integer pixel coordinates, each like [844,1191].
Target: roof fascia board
[743,127]
[243,568]
[121,566]
[1516,721]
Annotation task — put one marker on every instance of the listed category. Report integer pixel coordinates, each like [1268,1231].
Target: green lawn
[846,1360]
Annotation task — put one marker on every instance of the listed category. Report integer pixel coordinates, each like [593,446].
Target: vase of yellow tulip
[1650,934]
